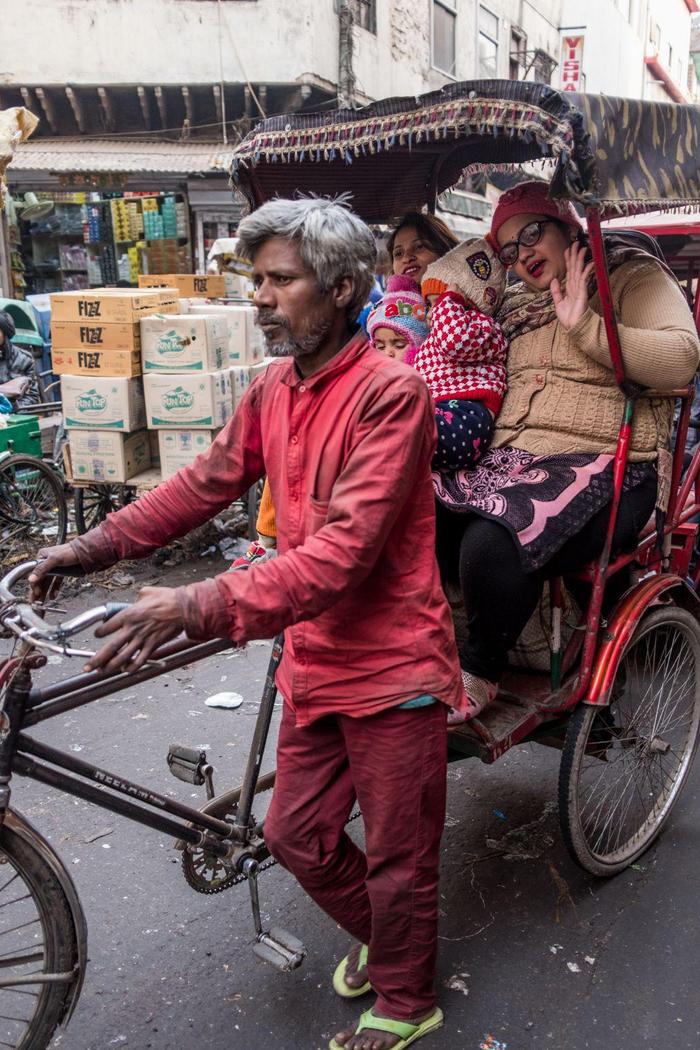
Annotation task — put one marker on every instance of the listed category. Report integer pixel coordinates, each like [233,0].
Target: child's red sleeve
[464,335]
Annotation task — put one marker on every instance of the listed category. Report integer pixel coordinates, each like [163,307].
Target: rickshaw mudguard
[26,831]
[624,622]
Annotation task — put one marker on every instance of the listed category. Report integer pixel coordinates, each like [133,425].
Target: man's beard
[307,344]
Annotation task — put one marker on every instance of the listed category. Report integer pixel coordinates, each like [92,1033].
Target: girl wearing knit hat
[463,358]
[397,324]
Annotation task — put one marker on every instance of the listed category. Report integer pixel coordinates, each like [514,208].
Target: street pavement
[534,953]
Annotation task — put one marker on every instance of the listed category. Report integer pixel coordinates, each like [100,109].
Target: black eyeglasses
[529,236]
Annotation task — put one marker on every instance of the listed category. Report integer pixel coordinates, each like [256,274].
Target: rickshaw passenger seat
[637,239]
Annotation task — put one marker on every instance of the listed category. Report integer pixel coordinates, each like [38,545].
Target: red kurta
[347,452]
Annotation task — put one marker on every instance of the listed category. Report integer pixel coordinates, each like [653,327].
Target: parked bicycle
[43,932]
[33,509]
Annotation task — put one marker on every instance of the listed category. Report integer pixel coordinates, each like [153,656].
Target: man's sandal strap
[403,1029]
[407,1033]
[340,984]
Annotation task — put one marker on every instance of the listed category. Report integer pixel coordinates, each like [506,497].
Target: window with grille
[364,14]
[516,59]
[488,43]
[543,67]
[444,30]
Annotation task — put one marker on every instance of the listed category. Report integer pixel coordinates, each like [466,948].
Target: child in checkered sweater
[463,359]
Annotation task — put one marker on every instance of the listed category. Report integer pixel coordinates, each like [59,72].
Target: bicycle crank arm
[276,946]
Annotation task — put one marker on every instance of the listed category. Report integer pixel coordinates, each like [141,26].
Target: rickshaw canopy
[619,156]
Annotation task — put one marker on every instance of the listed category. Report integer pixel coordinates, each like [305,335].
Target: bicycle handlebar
[21,619]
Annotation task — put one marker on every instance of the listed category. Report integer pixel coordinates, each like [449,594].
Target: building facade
[141,96]
[628,48]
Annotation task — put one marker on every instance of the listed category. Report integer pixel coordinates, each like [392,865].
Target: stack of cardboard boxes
[197,365]
[209,285]
[186,383]
[96,349]
[161,359]
[183,347]
[244,339]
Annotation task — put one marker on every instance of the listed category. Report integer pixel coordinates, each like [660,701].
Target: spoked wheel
[33,511]
[623,767]
[92,503]
[38,946]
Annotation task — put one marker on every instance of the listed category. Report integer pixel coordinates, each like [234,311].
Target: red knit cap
[532,198]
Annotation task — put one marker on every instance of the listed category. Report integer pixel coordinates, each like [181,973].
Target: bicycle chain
[235,879]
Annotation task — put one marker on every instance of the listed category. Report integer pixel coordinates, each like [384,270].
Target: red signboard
[572,63]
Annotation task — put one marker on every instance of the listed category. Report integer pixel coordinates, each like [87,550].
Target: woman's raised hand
[572,303]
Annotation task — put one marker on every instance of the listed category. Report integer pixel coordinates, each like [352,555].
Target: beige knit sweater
[562,395]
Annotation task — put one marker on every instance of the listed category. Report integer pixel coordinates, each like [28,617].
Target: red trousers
[394,763]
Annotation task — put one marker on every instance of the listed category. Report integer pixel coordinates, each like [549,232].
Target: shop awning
[130,156]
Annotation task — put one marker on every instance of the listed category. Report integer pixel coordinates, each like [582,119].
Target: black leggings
[499,595]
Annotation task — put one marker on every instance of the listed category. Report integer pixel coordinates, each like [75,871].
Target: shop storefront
[216,211]
[86,214]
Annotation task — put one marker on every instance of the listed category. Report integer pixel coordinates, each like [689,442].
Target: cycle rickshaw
[620,699]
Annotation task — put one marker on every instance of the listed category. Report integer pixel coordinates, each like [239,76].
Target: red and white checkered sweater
[464,356]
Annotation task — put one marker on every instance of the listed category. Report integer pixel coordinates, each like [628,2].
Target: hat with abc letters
[474,270]
[402,309]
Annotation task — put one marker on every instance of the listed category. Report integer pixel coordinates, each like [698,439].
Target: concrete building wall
[536,25]
[613,45]
[166,41]
[670,27]
[620,34]
[113,42]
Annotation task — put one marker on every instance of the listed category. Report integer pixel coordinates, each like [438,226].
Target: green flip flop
[340,985]
[408,1033]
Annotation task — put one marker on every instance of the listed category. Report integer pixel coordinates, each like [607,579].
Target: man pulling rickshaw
[346,436]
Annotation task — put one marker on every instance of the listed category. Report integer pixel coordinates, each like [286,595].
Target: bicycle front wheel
[33,511]
[38,946]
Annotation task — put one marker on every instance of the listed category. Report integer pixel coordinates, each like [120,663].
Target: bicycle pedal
[279,948]
[287,940]
[190,765]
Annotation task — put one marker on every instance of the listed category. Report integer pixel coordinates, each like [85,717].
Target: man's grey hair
[332,241]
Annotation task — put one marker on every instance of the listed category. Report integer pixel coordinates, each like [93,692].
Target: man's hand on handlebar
[51,559]
[138,631]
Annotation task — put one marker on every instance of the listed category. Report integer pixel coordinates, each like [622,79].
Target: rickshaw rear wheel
[624,766]
[92,503]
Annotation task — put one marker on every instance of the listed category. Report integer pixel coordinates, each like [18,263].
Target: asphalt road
[534,953]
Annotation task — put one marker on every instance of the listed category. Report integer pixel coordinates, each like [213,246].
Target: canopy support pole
[593,619]
[433,191]
[603,278]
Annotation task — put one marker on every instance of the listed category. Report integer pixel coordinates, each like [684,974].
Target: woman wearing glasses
[538,503]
